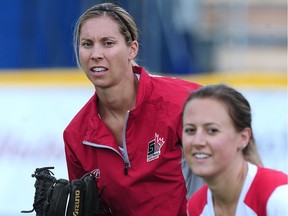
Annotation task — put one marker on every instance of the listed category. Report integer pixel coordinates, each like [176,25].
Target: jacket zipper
[126,160]
[125,154]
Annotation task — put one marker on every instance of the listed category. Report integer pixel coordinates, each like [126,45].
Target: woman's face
[211,143]
[103,53]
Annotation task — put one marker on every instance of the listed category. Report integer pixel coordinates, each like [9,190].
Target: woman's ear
[134,46]
[245,137]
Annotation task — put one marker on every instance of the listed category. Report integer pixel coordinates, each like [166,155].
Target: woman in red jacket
[129,133]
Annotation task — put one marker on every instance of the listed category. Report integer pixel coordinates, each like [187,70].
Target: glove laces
[44,180]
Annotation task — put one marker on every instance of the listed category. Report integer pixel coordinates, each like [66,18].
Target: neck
[118,99]
[227,188]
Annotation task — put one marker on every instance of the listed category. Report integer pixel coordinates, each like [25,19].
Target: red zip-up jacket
[145,178]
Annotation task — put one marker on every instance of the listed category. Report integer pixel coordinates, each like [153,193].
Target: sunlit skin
[102,47]
[106,60]
[212,148]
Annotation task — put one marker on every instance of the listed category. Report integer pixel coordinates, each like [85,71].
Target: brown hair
[127,26]
[239,110]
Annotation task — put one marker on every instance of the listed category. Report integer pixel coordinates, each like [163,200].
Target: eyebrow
[102,38]
[205,124]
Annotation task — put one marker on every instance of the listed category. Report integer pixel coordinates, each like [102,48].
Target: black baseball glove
[63,198]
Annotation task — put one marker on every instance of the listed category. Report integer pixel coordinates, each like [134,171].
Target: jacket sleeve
[75,170]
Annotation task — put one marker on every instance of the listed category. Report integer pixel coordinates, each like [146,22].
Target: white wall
[32,121]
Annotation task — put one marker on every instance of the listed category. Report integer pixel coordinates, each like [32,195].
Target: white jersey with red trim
[264,193]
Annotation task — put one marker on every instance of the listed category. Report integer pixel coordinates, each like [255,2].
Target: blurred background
[182,36]
[242,43]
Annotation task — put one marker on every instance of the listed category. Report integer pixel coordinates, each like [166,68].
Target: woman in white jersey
[218,141]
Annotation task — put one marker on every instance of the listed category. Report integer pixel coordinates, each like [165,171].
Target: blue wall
[38,34]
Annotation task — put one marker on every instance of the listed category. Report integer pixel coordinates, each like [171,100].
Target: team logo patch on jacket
[154,147]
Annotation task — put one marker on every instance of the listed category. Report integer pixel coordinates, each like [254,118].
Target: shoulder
[277,204]
[169,94]
[170,88]
[167,82]
[175,83]
[197,201]
[266,182]
[270,177]
[85,113]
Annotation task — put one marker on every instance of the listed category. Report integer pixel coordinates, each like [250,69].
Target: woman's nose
[97,54]
[199,139]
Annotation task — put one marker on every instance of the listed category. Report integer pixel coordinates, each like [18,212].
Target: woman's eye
[212,130]
[108,43]
[86,44]
[189,130]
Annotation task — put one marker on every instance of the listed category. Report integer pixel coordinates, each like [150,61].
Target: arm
[75,170]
